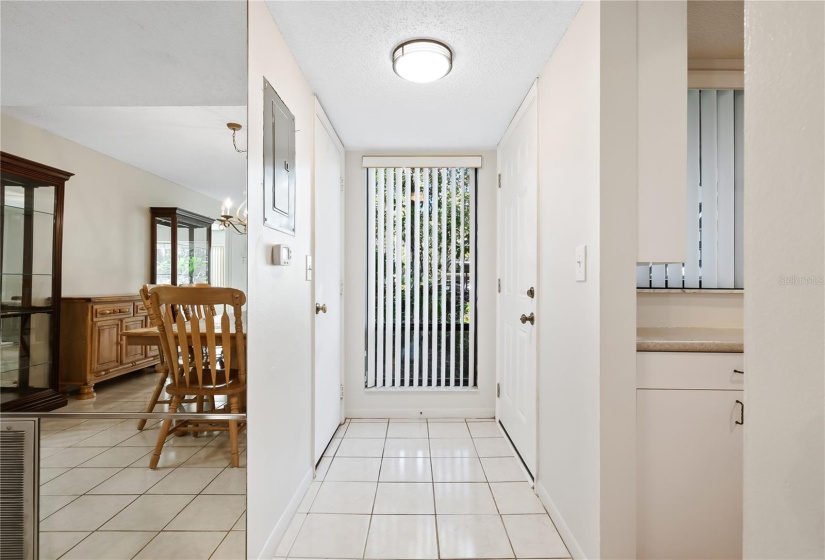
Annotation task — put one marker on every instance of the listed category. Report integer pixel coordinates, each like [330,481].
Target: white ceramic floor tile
[366,430]
[361,447]
[406,470]
[503,469]
[440,430]
[107,438]
[458,470]
[50,473]
[485,429]
[171,457]
[516,497]
[184,480]
[332,536]
[119,457]
[342,429]
[209,457]
[450,447]
[408,430]
[290,535]
[332,447]
[76,482]
[534,536]
[86,513]
[130,481]
[68,437]
[402,537]
[110,545]
[50,504]
[404,498]
[230,481]
[473,536]
[179,545]
[241,524]
[350,469]
[368,420]
[233,547]
[149,437]
[493,447]
[49,451]
[55,545]
[209,513]
[309,497]
[72,456]
[148,513]
[413,448]
[464,498]
[344,497]
[59,423]
[323,468]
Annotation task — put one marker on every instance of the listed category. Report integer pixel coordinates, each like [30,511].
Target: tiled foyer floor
[100,500]
[421,489]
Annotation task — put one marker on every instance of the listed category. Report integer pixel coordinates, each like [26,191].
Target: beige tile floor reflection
[100,500]
[434,489]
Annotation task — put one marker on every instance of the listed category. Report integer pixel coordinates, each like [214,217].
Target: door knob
[528,319]
[531,293]
[320,308]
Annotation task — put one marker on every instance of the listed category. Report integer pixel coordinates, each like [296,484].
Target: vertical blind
[715,197]
[421,276]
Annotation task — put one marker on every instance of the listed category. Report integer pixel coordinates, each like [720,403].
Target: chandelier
[237,220]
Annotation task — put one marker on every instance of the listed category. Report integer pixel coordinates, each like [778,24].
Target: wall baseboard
[566,535]
[485,413]
[279,531]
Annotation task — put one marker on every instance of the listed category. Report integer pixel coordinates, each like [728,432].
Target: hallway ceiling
[344,49]
[151,83]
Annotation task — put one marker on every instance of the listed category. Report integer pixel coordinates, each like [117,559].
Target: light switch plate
[309,268]
[581,263]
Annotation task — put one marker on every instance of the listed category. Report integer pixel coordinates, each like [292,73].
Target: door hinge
[342,288]
[342,390]
[342,183]
[499,180]
[498,390]
[499,285]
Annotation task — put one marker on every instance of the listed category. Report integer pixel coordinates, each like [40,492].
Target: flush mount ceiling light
[422,60]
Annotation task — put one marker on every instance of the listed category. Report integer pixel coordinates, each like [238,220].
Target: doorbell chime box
[281,255]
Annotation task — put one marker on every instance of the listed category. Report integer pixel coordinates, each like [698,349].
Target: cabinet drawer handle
[739,371]
[105,312]
[741,420]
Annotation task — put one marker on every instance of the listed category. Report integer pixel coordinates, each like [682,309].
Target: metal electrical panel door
[279,163]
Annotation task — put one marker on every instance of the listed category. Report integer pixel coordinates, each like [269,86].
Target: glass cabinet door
[28,232]
[182,245]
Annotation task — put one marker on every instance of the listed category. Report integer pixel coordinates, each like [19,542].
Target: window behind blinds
[715,198]
[421,277]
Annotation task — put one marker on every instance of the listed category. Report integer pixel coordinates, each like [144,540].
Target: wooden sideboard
[91,346]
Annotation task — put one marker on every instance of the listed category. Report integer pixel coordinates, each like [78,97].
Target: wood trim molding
[28,168]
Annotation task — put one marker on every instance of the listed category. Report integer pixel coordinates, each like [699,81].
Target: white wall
[587,196]
[568,311]
[280,311]
[695,309]
[106,221]
[360,402]
[784,237]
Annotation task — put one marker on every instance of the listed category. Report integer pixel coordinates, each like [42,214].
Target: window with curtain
[421,278]
[715,198]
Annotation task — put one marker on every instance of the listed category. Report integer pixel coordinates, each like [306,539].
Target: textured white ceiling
[344,49]
[190,146]
[716,29]
[151,83]
[129,53]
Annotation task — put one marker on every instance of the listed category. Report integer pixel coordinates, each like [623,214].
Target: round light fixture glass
[422,60]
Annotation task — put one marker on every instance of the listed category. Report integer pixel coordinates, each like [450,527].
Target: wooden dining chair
[197,372]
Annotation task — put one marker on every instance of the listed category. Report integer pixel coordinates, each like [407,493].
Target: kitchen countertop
[689,339]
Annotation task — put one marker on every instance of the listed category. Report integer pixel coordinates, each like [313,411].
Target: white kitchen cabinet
[689,465]
[661,58]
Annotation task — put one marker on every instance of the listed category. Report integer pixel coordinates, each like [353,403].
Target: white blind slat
[692,262]
[724,191]
[739,190]
[387,279]
[427,315]
[398,271]
[472,283]
[408,291]
[442,243]
[707,194]
[371,275]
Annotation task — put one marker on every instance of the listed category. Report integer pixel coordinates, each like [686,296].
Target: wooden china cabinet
[31,241]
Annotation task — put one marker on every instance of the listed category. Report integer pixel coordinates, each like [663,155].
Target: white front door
[329,249]
[518,266]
